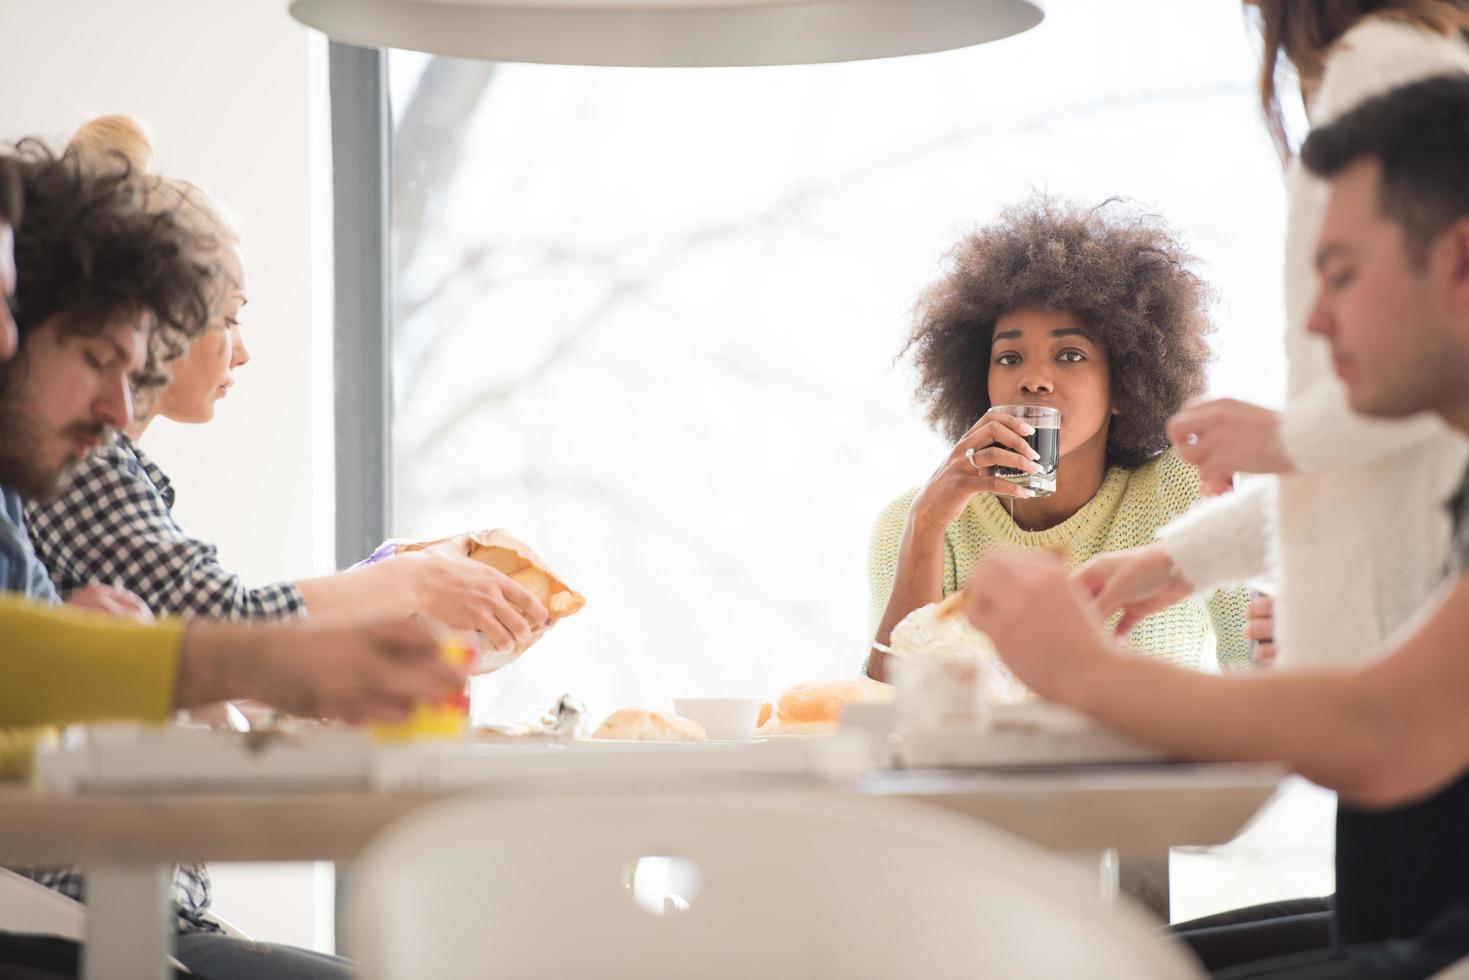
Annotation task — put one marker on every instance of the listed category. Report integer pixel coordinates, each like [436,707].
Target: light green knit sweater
[1125,513]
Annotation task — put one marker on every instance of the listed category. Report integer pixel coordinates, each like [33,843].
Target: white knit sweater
[1358,535]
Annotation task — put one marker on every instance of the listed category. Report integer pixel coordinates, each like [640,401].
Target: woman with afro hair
[1095,312]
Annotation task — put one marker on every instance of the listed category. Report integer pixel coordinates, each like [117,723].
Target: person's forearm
[213,665]
[379,588]
[1323,724]
[918,581]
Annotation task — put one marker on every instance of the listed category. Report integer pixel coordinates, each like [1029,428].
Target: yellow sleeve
[59,667]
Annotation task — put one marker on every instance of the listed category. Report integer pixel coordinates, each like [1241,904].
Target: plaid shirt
[189,893]
[112,522]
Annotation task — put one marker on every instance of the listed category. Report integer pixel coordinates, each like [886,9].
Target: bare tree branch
[787,208]
[635,515]
[428,144]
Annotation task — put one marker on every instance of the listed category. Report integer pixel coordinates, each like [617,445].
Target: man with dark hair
[1391,736]
[98,280]
[102,284]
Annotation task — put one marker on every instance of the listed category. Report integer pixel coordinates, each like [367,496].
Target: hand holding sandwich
[470,595]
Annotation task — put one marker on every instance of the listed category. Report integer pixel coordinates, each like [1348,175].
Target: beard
[20,440]
[21,443]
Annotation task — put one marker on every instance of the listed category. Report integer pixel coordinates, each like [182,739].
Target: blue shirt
[20,570]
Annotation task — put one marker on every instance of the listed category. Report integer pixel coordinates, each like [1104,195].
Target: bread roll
[815,707]
[641,725]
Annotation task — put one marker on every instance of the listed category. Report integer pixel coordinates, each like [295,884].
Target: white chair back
[27,906]
[789,884]
[1456,971]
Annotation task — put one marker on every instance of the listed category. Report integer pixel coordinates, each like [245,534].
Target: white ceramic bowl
[721,717]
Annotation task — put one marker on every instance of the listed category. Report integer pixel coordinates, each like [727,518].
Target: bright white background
[681,332]
[648,322]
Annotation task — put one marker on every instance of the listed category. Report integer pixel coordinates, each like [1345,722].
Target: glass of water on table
[1045,440]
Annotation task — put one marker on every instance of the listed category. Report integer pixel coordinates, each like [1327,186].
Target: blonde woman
[112,521]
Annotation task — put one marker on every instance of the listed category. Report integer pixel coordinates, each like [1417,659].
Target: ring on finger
[969,455]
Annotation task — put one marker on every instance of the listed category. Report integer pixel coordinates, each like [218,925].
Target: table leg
[1146,880]
[129,922]
[1100,865]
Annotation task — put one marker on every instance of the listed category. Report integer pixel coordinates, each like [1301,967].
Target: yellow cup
[447,719]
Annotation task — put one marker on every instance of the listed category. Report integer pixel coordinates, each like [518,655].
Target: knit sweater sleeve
[1224,539]
[882,557]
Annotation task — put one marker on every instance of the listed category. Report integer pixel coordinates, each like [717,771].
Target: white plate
[1031,734]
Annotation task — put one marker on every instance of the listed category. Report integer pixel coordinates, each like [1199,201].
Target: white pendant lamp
[670,33]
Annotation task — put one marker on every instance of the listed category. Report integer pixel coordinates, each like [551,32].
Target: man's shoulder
[13,535]
[111,465]
[12,505]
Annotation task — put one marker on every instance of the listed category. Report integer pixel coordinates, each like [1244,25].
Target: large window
[647,319]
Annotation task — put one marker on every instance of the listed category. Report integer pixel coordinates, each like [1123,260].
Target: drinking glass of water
[1045,440]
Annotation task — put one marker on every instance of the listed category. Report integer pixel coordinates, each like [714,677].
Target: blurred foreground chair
[771,883]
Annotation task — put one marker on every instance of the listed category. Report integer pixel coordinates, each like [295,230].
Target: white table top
[1135,809]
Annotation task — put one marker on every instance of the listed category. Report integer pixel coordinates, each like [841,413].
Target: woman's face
[1046,357]
[204,373]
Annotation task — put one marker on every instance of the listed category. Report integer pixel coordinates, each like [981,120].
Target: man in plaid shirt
[120,497]
[112,521]
[96,324]
[103,281]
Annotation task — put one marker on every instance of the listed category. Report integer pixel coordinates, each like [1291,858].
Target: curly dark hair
[94,244]
[1120,271]
[12,202]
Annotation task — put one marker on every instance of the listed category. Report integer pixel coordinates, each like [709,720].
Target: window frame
[361,138]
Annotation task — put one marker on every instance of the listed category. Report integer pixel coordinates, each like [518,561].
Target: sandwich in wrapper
[503,551]
[938,633]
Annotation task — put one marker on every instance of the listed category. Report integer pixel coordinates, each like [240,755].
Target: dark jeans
[221,957]
[43,958]
[208,955]
[1445,942]
[1259,932]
